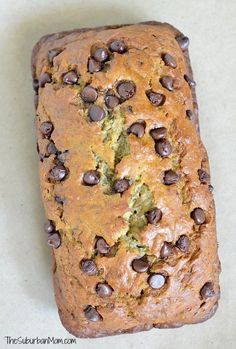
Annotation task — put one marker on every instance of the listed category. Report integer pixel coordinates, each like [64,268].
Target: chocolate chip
[189,114]
[163,147]
[36,101]
[111,101]
[140,265]
[49,227]
[204,177]
[158,133]
[44,79]
[89,94]
[170,177]
[59,199]
[46,128]
[100,54]
[121,185]
[166,250]
[51,148]
[167,82]
[155,98]
[153,216]
[198,216]
[183,41]
[91,177]
[54,240]
[210,188]
[35,85]
[126,89]
[96,113]
[118,46]
[94,66]
[190,81]
[58,173]
[88,267]
[92,314]
[102,246]
[183,243]
[207,290]
[156,281]
[53,53]
[104,290]
[137,129]
[70,78]
[169,60]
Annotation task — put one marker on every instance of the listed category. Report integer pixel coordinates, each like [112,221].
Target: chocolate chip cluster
[59,172]
[101,55]
[54,237]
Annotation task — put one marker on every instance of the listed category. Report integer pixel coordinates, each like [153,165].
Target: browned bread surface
[125,180]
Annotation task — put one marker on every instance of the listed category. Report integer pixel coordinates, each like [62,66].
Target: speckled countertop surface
[27,303]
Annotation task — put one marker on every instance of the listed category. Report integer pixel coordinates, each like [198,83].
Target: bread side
[125,180]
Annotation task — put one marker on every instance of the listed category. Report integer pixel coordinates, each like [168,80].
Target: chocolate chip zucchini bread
[125,180]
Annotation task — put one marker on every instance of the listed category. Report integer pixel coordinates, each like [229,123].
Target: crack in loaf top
[122,177]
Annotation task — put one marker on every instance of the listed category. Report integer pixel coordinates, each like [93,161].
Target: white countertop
[27,302]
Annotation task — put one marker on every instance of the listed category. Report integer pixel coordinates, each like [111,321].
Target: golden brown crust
[95,211]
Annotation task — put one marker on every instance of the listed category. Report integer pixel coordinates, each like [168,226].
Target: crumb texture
[125,180]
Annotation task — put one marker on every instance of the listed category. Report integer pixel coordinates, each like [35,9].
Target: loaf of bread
[125,180]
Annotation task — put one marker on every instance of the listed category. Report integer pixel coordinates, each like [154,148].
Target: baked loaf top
[124,179]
